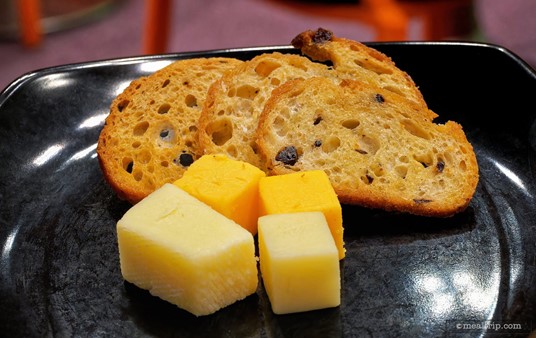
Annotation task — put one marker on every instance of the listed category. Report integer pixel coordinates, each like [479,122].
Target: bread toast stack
[341,106]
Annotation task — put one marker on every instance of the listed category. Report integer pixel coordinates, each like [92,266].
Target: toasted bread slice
[230,115]
[378,149]
[366,64]
[149,136]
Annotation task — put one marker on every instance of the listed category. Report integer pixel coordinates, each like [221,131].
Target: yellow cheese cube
[229,186]
[299,262]
[184,252]
[303,191]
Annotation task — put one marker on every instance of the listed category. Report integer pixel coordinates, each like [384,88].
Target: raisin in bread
[149,136]
[230,115]
[365,63]
[379,149]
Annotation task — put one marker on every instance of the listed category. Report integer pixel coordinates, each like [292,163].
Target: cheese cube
[299,262]
[229,186]
[184,252]
[303,191]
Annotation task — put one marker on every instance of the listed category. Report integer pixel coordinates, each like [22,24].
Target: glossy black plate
[404,276]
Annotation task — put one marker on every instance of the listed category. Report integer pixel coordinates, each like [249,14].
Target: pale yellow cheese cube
[299,262]
[184,252]
[229,186]
[303,191]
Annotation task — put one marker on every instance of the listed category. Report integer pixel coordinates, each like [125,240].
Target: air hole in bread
[140,128]
[336,170]
[275,82]
[401,171]
[377,169]
[231,151]
[247,92]
[253,146]
[164,108]
[415,130]
[150,169]
[144,156]
[122,105]
[165,83]
[221,131]
[136,144]
[425,160]
[367,179]
[138,175]
[317,120]
[128,164]
[184,159]
[463,165]
[331,144]
[190,101]
[164,164]
[368,144]
[279,126]
[403,159]
[350,124]
[265,68]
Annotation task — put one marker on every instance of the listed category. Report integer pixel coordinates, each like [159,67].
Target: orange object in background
[31,20]
[157,25]
[390,18]
[386,16]
[30,16]
[441,19]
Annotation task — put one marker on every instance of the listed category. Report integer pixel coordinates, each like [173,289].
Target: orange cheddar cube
[301,192]
[229,186]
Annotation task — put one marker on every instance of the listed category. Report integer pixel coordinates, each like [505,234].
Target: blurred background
[38,34]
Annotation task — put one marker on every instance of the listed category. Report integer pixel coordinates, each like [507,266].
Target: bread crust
[149,136]
[379,149]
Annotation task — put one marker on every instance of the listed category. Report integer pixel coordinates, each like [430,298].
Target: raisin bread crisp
[378,149]
[149,136]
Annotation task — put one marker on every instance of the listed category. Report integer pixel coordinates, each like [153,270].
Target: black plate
[403,275]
